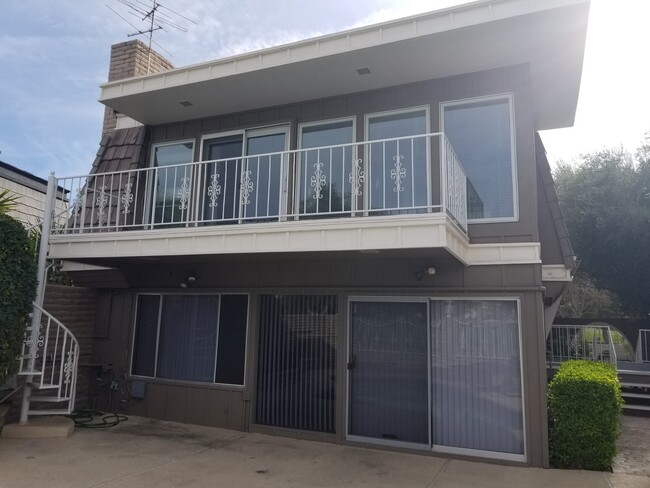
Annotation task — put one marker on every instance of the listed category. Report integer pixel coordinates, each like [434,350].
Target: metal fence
[590,342]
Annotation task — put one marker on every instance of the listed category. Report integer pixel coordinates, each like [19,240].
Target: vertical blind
[475,375]
[296,382]
[474,381]
[191,337]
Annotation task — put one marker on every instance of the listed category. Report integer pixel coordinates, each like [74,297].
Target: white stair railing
[52,362]
[50,355]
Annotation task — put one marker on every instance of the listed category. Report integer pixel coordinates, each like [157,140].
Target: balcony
[398,193]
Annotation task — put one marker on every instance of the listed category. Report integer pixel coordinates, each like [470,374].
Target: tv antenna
[153,17]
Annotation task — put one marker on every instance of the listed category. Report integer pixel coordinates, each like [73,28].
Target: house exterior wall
[76,308]
[513,79]
[30,203]
[360,275]
[343,274]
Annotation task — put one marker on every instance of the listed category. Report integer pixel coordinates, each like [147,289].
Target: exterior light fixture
[190,280]
[421,273]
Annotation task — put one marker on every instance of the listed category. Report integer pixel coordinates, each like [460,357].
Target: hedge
[17,290]
[585,404]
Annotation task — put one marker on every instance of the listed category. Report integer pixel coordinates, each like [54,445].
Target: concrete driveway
[149,453]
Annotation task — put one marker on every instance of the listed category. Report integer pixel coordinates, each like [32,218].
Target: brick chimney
[129,59]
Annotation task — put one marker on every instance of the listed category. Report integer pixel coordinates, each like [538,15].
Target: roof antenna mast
[153,16]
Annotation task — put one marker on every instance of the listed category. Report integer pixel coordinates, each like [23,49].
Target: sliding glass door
[243,179]
[476,376]
[442,374]
[388,371]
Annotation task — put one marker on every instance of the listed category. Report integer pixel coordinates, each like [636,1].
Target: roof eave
[549,36]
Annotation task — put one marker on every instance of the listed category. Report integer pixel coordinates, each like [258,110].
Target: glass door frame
[430,446]
[348,376]
[246,134]
[149,211]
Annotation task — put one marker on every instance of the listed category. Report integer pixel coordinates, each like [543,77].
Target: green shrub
[17,290]
[584,412]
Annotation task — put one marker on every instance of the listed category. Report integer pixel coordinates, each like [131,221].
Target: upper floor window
[398,166]
[325,163]
[482,134]
[171,181]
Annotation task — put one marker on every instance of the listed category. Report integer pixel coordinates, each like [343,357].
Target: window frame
[509,96]
[158,379]
[295,198]
[150,209]
[247,132]
[427,130]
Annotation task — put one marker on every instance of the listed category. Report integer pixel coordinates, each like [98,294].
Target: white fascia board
[345,234]
[504,253]
[556,272]
[71,266]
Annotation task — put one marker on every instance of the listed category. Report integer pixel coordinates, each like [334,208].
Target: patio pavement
[149,453]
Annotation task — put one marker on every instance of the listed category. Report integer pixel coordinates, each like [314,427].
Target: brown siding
[76,308]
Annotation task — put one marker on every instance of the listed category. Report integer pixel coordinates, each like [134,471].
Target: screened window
[481,133]
[191,338]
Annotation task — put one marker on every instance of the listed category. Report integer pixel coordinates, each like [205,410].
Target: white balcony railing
[385,177]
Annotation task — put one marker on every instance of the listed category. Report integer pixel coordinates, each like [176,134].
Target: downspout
[40,293]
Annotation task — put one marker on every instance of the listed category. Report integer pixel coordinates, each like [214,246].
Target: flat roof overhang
[549,36]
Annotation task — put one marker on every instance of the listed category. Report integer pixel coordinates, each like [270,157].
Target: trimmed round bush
[585,404]
[17,291]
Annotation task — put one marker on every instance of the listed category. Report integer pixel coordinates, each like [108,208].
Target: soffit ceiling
[480,36]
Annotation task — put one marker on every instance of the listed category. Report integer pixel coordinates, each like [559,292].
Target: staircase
[635,389]
[49,363]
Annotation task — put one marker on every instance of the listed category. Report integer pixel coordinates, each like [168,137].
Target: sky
[54,55]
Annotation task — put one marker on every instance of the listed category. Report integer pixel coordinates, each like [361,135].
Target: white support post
[40,293]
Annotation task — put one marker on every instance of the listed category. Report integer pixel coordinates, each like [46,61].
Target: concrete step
[45,398]
[629,406]
[41,427]
[46,386]
[636,395]
[49,411]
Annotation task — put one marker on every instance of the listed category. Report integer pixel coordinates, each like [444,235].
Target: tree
[606,204]
[17,290]
[584,300]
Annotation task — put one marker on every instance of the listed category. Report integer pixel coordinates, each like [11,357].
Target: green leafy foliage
[8,201]
[585,404]
[605,198]
[17,290]
[584,300]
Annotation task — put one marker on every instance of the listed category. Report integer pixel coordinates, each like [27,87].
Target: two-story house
[352,238]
